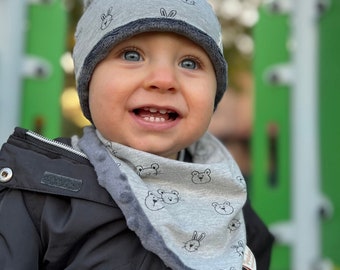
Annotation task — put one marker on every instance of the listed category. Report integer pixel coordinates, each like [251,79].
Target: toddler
[145,187]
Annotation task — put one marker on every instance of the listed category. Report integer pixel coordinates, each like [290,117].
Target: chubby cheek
[99,114]
[202,110]
[94,100]
[203,104]
[99,100]
[208,113]
[206,119]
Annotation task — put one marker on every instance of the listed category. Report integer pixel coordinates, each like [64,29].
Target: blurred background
[279,117]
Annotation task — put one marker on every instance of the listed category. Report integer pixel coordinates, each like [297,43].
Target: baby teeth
[154,110]
[154,119]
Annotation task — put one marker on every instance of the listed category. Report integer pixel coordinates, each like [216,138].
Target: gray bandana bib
[189,214]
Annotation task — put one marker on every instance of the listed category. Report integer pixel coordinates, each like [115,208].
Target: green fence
[46,39]
[271,183]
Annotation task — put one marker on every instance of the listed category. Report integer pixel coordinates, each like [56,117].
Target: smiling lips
[156,115]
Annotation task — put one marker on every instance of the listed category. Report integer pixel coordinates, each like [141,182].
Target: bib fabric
[189,214]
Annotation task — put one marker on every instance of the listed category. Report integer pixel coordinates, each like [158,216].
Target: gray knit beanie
[105,23]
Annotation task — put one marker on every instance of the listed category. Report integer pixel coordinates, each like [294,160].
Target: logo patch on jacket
[61,181]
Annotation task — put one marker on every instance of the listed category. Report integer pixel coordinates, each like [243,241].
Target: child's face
[154,92]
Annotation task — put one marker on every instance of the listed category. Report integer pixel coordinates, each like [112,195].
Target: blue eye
[131,56]
[189,64]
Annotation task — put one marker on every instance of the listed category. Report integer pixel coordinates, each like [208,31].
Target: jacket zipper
[55,143]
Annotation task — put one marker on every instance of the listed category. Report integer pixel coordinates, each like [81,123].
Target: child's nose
[161,77]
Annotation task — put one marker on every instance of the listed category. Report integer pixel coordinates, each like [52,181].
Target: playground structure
[33,35]
[295,141]
[296,137]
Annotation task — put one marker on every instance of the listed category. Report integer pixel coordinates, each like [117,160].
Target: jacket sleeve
[19,240]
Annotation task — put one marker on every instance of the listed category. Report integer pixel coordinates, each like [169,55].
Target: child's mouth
[156,115]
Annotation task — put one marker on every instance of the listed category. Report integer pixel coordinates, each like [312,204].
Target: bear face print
[223,208]
[189,2]
[153,202]
[201,177]
[147,171]
[171,197]
[234,225]
[195,242]
[157,202]
[241,180]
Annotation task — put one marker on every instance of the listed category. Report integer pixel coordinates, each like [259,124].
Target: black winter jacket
[54,215]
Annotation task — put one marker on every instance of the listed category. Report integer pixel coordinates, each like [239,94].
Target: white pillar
[12,36]
[306,199]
